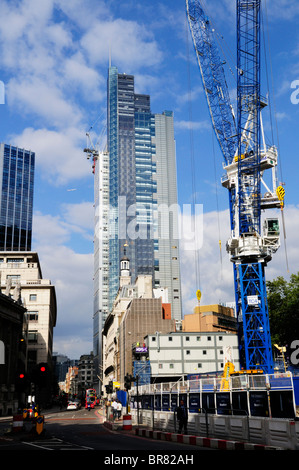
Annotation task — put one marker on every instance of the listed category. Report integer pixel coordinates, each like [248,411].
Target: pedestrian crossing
[54,444]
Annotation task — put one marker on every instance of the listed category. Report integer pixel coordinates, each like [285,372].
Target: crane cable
[193,178]
[276,126]
[217,207]
[228,56]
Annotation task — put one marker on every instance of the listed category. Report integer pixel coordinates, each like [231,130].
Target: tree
[283,302]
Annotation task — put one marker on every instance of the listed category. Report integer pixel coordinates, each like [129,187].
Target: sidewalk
[198,441]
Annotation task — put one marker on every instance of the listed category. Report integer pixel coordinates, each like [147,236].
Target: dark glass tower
[142,181]
[146,186]
[130,125]
[16,198]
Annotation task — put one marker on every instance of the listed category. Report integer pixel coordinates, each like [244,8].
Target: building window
[32,297]
[171,366]
[204,351]
[160,366]
[169,338]
[32,337]
[188,352]
[14,278]
[32,316]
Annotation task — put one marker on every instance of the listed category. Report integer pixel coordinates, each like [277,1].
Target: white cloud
[73,346]
[87,80]
[132,47]
[59,154]
[196,125]
[79,215]
[49,230]
[209,268]
[72,275]
[43,99]
[215,278]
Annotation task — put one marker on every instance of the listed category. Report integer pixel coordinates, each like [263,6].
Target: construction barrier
[17,424]
[39,424]
[127,422]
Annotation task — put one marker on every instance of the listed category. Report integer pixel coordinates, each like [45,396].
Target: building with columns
[21,277]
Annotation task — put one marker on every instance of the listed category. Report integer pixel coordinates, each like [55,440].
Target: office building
[13,353]
[167,258]
[142,179]
[21,272]
[140,175]
[175,355]
[101,254]
[16,198]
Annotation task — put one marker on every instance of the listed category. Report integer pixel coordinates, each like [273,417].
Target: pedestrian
[114,408]
[119,408]
[182,415]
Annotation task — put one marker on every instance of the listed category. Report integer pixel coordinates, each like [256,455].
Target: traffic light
[21,381]
[128,380]
[109,387]
[40,375]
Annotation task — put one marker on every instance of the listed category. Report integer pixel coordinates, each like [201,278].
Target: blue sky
[54,57]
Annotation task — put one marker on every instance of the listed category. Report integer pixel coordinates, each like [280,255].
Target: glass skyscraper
[142,178]
[16,198]
[132,185]
[135,176]
[167,258]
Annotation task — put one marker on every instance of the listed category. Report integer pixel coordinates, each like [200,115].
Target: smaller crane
[92,152]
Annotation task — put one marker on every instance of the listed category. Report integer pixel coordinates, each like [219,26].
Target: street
[84,430]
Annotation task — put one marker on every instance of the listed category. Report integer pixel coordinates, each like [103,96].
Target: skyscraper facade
[167,257]
[122,187]
[132,186]
[146,187]
[140,175]
[101,253]
[16,198]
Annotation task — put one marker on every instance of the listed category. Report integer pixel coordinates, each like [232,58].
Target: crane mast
[246,158]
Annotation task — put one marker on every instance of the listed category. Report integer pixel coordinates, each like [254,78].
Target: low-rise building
[86,373]
[142,317]
[210,318]
[178,354]
[21,277]
[13,355]
[22,271]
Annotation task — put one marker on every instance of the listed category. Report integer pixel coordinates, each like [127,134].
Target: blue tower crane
[246,158]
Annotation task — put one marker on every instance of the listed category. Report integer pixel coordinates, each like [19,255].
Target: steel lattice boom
[214,82]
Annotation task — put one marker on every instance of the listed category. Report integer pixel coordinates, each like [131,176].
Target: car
[73,405]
